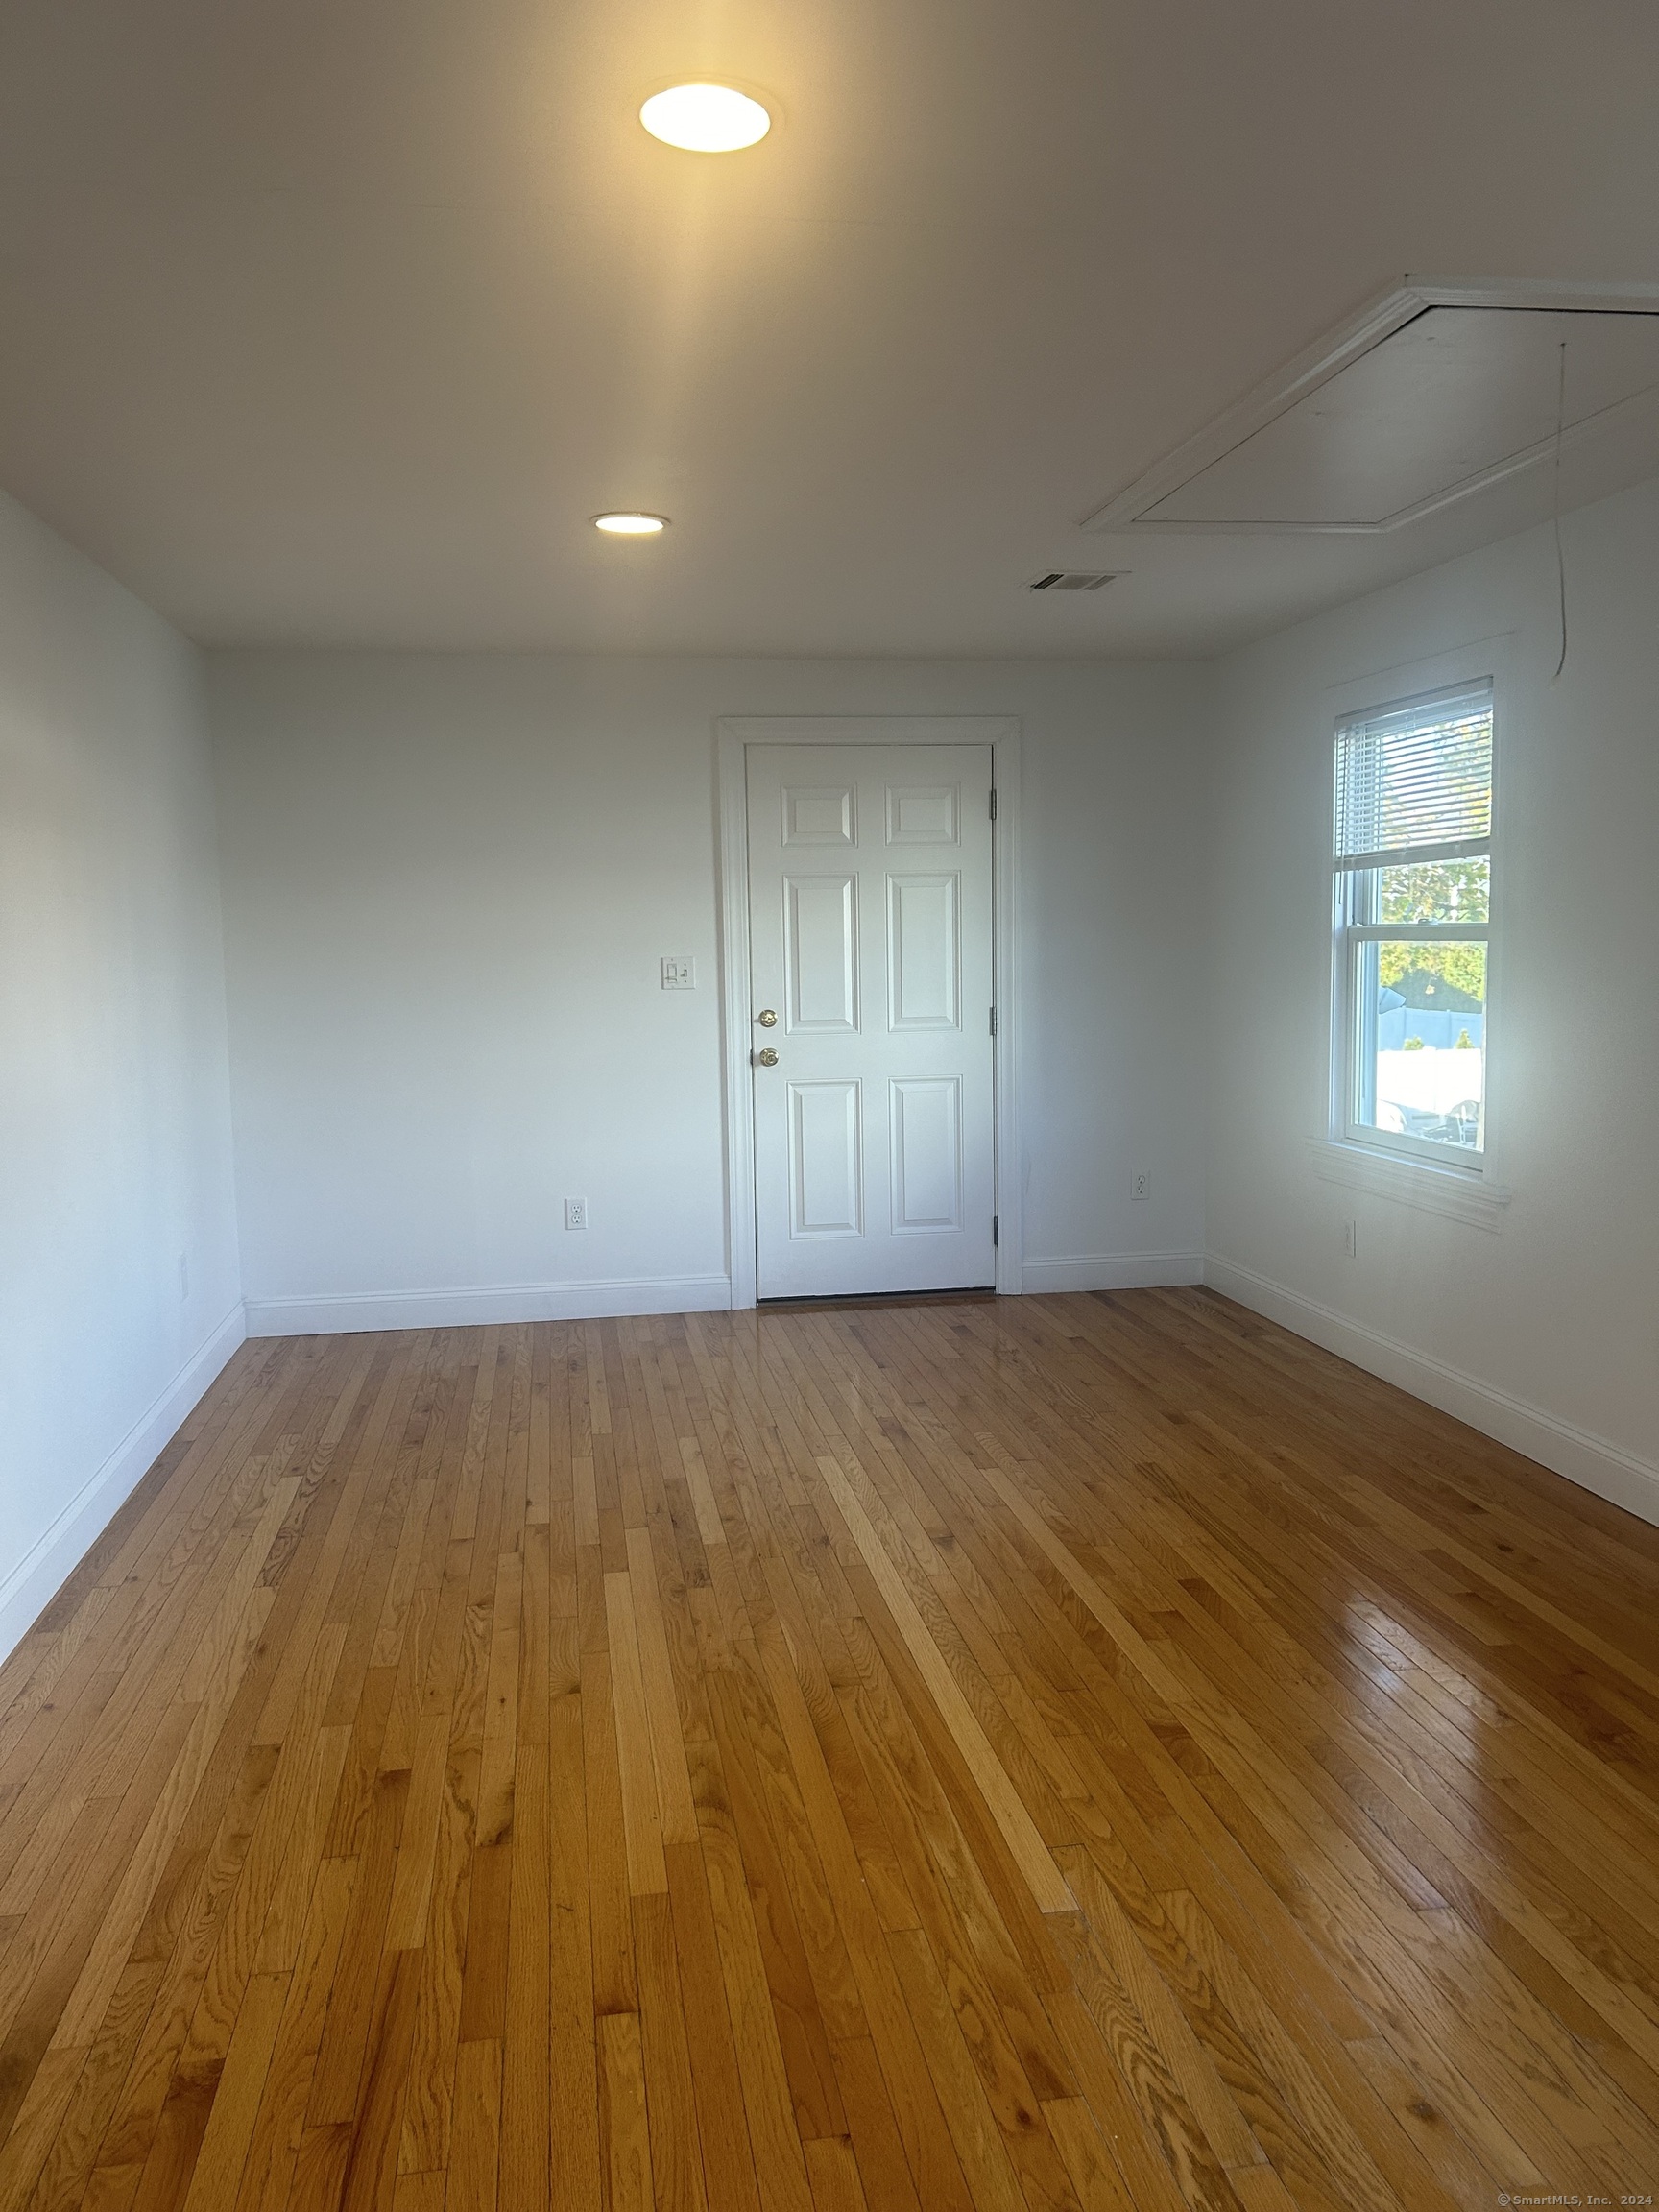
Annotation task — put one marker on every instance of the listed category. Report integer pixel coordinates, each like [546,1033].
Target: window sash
[1465,801]
[1415,932]
[1411,855]
[1357,888]
[1358,1076]
[1423,766]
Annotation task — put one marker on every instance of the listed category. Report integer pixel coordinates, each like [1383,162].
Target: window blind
[1416,784]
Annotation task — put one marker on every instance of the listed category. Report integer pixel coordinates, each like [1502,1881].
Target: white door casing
[733,735]
[870,904]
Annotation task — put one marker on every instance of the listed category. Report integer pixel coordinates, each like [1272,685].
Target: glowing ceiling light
[706,118]
[622,526]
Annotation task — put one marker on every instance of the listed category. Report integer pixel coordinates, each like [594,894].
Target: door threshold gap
[838,1302]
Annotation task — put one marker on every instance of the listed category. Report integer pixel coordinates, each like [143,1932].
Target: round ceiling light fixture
[622,524]
[706,118]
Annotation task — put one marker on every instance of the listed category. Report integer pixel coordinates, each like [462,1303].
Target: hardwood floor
[1064,1752]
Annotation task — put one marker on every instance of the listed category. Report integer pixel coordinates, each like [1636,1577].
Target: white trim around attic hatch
[1327,357]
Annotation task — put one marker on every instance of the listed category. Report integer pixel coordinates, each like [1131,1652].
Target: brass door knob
[766,1018]
[766,1059]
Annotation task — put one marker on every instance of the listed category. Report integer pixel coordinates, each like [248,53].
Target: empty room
[828,1106]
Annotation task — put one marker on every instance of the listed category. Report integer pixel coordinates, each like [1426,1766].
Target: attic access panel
[1427,397]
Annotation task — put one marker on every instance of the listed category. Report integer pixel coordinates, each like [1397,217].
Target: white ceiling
[332,321]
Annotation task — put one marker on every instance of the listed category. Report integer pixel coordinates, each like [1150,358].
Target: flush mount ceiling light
[630,525]
[706,118]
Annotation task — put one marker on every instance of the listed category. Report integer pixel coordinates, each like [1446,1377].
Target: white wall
[449,882]
[1546,1333]
[115,1108]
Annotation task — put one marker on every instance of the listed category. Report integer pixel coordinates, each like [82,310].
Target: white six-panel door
[869,941]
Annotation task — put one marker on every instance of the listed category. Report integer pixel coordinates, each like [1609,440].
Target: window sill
[1445,1190]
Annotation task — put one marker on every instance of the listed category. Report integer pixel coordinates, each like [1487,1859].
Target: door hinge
[996,1231]
[993,1020]
[993,801]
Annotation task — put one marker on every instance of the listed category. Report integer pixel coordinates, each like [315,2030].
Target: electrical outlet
[1140,1182]
[1351,1240]
[575,1213]
[184,1277]
[679,972]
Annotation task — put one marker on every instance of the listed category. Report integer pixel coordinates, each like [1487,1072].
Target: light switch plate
[679,972]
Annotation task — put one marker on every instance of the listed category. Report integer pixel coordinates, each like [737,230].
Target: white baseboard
[1114,1271]
[479,1306]
[1592,1461]
[46,1566]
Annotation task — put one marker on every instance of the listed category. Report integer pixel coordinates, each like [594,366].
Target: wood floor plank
[476,2136]
[526,2040]
[1008,1809]
[1057,1754]
[229,2131]
[430,2104]
[273,2143]
[717,2083]
[623,2125]
[572,2086]
[641,1816]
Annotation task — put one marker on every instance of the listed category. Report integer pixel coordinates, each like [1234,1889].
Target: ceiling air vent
[1074,580]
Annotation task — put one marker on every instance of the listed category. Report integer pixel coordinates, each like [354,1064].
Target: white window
[1413,889]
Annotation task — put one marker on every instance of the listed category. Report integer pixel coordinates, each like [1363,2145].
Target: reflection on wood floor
[1063,1752]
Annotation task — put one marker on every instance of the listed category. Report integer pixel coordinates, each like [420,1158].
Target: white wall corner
[480,1305]
[46,1565]
[1591,1461]
[1114,1271]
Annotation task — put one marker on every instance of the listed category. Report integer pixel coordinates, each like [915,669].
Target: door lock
[766,1018]
[766,1059]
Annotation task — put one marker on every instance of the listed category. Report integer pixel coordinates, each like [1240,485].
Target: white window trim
[1451,1192]
[1390,1164]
